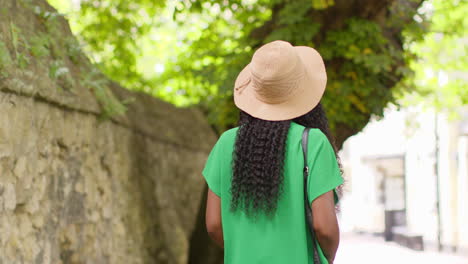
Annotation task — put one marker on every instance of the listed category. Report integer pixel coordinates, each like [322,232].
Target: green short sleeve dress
[284,238]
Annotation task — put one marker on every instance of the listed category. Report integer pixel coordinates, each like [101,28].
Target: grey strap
[305,140]
[308,209]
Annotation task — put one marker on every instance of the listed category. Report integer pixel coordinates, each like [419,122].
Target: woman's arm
[326,225]
[213,218]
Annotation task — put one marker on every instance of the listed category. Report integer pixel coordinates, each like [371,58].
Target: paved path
[356,249]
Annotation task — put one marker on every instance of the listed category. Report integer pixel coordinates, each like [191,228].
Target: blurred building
[407,179]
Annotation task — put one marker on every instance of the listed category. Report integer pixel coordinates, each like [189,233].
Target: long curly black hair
[258,159]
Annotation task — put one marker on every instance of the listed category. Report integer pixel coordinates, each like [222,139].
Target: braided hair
[258,159]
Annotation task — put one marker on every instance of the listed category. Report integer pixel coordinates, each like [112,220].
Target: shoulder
[315,134]
[228,136]
[319,141]
[318,135]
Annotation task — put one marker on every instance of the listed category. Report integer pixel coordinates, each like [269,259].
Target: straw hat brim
[303,99]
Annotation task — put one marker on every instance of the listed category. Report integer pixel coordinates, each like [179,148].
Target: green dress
[284,238]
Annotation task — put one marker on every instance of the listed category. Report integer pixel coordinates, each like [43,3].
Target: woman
[255,207]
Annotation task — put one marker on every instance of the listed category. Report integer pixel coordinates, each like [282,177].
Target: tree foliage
[189,52]
[441,66]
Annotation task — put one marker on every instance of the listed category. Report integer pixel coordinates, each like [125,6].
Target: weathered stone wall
[78,189]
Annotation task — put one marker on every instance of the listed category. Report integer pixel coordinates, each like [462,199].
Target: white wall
[409,133]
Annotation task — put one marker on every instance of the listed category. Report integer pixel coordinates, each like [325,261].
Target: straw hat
[281,82]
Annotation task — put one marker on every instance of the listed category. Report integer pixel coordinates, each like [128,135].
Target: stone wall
[76,188]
